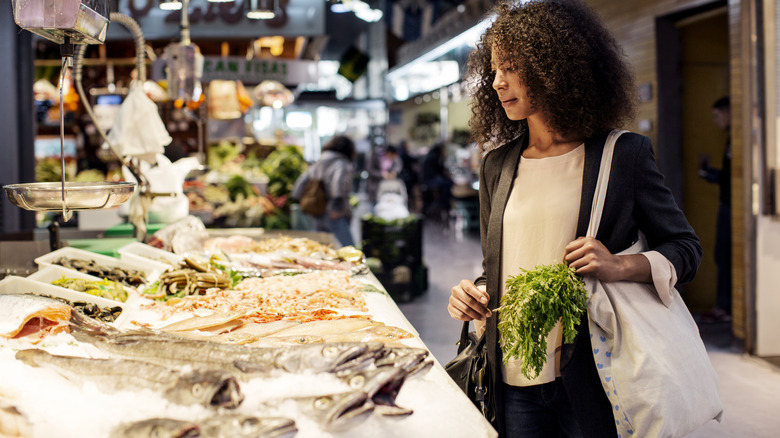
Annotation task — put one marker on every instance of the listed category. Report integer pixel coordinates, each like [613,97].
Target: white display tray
[141,252]
[20,285]
[150,268]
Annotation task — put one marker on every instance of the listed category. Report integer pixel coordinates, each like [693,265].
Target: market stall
[283,337]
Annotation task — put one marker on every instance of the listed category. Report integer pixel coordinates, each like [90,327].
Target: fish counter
[234,337]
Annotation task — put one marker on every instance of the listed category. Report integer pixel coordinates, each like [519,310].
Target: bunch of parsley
[533,302]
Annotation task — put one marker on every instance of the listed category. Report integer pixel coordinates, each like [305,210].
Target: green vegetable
[283,166]
[533,303]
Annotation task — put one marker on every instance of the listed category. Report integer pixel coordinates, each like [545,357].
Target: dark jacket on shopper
[636,200]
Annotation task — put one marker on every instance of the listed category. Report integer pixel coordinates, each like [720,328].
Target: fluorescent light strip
[470,37]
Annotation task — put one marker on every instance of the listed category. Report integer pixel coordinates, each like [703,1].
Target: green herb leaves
[533,303]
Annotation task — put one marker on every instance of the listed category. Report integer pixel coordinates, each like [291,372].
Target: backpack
[314,198]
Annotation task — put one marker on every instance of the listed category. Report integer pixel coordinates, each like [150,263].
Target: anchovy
[206,387]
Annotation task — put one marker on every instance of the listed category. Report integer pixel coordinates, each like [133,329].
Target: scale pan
[47,196]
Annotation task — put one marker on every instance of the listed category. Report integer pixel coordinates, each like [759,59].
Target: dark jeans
[723,257]
[542,411]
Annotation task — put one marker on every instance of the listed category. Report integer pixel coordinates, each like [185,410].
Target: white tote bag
[650,357]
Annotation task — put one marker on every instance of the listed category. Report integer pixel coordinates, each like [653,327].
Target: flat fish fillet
[17,309]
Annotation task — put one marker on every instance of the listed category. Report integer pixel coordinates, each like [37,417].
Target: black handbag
[471,372]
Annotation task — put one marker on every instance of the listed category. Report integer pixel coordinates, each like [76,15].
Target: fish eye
[357,381]
[322,403]
[197,390]
[330,351]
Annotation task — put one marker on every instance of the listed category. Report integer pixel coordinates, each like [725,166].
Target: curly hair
[572,66]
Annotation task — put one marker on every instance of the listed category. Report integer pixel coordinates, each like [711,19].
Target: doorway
[693,73]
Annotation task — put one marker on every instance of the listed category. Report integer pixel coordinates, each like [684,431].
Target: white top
[540,219]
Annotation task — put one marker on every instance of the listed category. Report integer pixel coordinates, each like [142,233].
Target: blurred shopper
[335,168]
[384,163]
[408,174]
[436,183]
[550,83]
[721,115]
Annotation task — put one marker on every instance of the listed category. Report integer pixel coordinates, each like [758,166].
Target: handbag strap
[601,185]
[464,338]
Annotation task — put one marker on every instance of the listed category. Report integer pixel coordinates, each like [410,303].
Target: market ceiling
[328,34]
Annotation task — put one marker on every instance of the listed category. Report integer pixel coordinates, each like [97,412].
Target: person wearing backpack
[323,190]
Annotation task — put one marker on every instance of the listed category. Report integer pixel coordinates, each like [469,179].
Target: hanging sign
[287,71]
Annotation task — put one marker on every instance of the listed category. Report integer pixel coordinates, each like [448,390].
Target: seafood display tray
[47,196]
[150,268]
[141,252]
[21,285]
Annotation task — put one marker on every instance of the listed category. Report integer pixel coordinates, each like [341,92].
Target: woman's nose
[499,82]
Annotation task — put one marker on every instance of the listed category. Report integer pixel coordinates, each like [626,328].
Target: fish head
[337,412]
[370,380]
[158,428]
[406,358]
[210,388]
[319,357]
[248,426]
[365,359]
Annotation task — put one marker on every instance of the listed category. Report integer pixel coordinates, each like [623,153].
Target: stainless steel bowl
[47,196]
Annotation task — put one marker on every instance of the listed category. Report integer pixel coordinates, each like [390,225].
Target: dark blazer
[636,199]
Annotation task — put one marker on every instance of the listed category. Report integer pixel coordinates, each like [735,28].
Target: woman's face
[512,93]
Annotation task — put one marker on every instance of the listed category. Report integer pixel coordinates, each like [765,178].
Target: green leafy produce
[283,166]
[90,175]
[221,153]
[237,185]
[533,303]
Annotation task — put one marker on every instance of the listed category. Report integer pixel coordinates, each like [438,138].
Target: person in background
[382,164]
[336,168]
[408,174]
[436,181]
[550,83]
[721,115]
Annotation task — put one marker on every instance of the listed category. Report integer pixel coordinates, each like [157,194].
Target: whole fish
[216,323]
[19,311]
[232,425]
[328,327]
[206,387]
[227,425]
[172,350]
[158,428]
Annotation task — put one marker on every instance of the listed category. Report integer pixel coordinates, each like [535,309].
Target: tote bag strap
[601,185]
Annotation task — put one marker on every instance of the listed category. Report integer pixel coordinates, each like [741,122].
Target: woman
[336,170]
[550,84]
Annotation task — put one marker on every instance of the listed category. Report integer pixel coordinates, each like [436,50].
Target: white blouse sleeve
[664,276]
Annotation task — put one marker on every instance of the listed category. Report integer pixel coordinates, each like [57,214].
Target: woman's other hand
[589,256]
[469,302]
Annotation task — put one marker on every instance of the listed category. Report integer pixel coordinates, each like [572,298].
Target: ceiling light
[170,5]
[339,8]
[221,1]
[262,9]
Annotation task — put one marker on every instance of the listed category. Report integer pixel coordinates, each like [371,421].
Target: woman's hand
[468,302]
[589,256]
